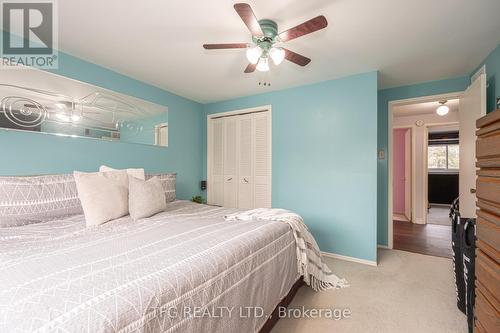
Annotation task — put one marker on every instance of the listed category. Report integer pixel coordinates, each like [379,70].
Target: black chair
[468,246]
[456,242]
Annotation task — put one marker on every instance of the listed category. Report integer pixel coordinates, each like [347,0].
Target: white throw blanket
[309,262]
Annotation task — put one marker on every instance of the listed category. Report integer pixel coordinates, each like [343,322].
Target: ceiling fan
[265,36]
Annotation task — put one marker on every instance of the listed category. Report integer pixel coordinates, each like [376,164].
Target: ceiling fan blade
[250,68]
[315,24]
[225,46]
[296,58]
[246,13]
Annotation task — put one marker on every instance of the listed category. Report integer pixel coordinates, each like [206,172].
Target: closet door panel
[245,164]
[231,162]
[216,163]
[262,164]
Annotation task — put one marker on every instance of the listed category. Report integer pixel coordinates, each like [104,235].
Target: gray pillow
[145,197]
[168,183]
[35,199]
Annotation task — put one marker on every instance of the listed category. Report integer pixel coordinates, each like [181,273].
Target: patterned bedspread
[184,270]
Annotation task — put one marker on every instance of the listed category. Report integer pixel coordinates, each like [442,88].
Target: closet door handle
[245,180]
[229,179]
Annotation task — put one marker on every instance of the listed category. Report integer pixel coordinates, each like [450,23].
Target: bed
[183,270]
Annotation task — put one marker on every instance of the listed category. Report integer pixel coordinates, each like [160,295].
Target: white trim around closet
[241,111]
[264,108]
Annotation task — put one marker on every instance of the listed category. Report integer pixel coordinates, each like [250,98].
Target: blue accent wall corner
[324,158]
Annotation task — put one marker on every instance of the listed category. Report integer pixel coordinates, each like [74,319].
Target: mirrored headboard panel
[38,101]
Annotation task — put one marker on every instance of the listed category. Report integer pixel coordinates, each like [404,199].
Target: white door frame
[264,108]
[392,104]
[413,173]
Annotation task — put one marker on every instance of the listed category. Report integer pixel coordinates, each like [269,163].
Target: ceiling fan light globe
[277,54]
[253,54]
[442,110]
[263,65]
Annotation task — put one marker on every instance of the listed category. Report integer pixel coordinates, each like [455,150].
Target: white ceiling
[422,108]
[160,42]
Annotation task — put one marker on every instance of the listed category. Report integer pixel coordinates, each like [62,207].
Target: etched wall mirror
[38,101]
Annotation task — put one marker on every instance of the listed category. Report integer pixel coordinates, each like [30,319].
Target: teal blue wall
[384,97]
[324,158]
[32,153]
[492,63]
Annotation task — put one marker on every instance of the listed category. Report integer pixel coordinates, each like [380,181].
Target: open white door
[408,183]
[472,107]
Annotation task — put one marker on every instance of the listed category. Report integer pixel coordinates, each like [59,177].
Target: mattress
[184,270]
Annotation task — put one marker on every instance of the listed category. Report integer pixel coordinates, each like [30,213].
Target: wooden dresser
[487,304]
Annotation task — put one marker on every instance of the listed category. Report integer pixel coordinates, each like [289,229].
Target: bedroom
[317,144]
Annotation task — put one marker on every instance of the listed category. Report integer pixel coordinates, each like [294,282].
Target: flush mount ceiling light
[265,36]
[443,109]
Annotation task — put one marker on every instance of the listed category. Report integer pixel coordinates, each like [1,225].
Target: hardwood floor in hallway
[430,239]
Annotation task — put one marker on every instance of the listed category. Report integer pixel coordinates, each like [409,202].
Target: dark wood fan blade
[296,58]
[305,28]
[246,13]
[250,68]
[225,46]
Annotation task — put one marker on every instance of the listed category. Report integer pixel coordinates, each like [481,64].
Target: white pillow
[146,198]
[137,173]
[104,195]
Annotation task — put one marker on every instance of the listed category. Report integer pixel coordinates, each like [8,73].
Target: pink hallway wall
[398,174]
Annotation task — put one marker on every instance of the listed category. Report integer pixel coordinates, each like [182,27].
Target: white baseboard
[419,220]
[383,247]
[347,258]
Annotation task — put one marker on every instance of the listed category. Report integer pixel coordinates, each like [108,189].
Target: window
[443,157]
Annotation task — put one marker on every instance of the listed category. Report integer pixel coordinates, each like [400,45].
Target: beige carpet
[406,293]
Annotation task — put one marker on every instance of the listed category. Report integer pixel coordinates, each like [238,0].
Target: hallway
[430,239]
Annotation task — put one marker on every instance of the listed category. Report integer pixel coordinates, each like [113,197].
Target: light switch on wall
[381,154]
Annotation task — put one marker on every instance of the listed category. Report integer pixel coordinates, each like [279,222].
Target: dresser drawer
[487,146]
[488,274]
[479,328]
[488,188]
[488,250]
[489,207]
[488,229]
[486,313]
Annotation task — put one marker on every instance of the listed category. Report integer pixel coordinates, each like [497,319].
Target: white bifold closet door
[239,160]
[262,160]
[216,161]
[246,159]
[230,147]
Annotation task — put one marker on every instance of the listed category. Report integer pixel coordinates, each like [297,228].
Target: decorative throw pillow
[168,182]
[137,173]
[104,195]
[35,199]
[146,197]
